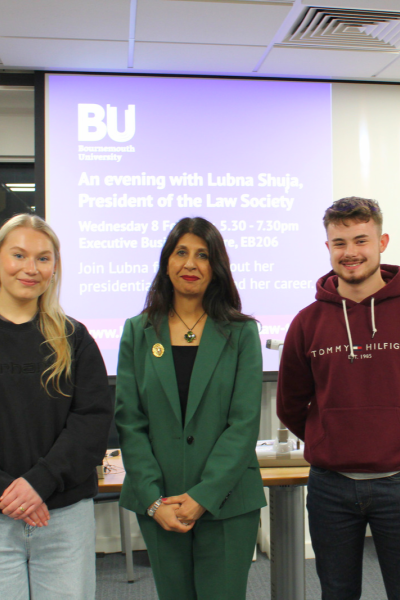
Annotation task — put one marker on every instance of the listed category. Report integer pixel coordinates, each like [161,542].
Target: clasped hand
[178,513]
[20,494]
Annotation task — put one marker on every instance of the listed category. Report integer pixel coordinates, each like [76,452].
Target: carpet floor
[111,578]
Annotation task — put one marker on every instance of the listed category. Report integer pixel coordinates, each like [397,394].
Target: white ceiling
[232,37]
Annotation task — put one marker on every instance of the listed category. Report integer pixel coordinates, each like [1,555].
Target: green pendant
[190,336]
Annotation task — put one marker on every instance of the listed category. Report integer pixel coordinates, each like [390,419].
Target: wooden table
[284,476]
[286,507]
[286,514]
[113,480]
[112,483]
[273,476]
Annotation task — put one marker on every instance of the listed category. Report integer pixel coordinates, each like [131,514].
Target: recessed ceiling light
[24,185]
[21,187]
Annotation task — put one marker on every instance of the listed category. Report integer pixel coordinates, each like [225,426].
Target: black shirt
[53,441]
[184,357]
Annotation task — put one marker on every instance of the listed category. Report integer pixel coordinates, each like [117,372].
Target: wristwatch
[153,508]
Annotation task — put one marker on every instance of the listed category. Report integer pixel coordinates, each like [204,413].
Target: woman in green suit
[188,411]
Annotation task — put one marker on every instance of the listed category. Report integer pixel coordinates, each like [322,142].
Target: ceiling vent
[347,30]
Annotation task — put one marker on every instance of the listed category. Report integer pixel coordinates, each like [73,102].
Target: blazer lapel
[211,345]
[164,365]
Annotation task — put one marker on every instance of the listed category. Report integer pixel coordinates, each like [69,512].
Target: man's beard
[354,280]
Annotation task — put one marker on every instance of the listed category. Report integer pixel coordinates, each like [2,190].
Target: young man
[339,390]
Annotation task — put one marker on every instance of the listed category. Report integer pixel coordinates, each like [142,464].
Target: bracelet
[153,508]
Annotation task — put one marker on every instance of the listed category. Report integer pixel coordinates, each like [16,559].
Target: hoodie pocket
[366,438]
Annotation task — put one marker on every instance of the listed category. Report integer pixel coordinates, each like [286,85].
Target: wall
[16,124]
[366,151]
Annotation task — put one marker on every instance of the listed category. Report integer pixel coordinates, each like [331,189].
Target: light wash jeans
[56,562]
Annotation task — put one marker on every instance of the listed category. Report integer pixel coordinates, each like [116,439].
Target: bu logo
[92,127]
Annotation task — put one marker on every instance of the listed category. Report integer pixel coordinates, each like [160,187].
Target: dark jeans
[339,510]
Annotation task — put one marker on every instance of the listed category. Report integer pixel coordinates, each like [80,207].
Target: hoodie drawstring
[352,355]
[374,329]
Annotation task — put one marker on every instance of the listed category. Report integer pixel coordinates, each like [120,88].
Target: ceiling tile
[208,22]
[205,58]
[88,19]
[212,36]
[311,62]
[392,72]
[63,54]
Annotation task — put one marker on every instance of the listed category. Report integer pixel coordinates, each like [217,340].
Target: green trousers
[210,562]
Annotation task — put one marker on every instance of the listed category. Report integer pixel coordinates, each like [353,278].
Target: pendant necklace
[189,336]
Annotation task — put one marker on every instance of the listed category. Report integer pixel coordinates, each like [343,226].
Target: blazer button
[190,439]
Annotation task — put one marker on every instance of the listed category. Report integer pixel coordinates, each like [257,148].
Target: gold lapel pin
[158,350]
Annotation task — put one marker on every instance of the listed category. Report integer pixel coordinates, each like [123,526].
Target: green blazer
[212,456]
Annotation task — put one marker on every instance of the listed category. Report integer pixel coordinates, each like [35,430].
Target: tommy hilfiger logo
[346,348]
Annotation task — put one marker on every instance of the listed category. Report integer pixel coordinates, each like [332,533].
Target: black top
[184,357]
[54,442]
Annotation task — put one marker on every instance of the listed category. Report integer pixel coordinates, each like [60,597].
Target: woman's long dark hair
[221,300]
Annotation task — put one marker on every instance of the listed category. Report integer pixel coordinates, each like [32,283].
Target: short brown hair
[357,209]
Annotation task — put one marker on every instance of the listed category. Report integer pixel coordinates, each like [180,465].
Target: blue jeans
[339,510]
[56,562]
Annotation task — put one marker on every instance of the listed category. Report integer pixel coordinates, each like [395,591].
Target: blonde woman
[55,413]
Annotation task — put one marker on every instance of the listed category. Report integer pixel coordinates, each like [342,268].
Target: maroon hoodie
[339,385]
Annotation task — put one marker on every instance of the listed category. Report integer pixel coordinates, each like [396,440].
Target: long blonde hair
[53,323]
